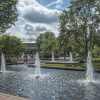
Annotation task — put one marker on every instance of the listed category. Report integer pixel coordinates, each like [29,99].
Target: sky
[36,17]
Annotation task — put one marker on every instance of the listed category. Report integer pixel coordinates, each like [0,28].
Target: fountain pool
[56,85]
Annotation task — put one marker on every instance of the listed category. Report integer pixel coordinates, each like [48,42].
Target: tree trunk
[64,55]
[71,57]
[53,59]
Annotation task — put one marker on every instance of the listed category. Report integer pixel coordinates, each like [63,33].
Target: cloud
[36,28]
[35,16]
[36,13]
[41,28]
[33,20]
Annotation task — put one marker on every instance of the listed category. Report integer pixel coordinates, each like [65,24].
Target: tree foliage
[47,42]
[10,46]
[66,37]
[8,14]
[80,24]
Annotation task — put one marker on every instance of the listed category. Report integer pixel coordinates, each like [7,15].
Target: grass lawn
[64,65]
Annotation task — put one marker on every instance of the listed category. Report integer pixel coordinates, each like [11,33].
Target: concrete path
[10,97]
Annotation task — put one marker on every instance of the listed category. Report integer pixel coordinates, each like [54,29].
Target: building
[31,49]
[29,55]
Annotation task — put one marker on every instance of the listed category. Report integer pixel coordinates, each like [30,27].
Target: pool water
[54,84]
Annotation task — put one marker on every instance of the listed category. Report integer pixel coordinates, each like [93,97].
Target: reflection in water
[89,92]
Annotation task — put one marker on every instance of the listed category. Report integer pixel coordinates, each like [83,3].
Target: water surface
[54,84]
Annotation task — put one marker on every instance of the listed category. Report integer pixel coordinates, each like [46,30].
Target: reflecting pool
[54,84]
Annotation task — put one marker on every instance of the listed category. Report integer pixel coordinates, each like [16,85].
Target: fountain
[71,57]
[89,71]
[3,63]
[37,64]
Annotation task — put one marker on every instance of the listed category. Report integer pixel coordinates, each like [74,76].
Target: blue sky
[36,17]
[65,3]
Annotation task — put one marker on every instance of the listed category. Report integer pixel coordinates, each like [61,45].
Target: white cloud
[34,19]
[35,15]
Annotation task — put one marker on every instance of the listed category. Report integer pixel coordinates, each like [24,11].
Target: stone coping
[69,68]
[10,97]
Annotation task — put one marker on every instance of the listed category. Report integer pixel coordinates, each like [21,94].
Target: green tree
[82,19]
[87,17]
[66,36]
[8,14]
[11,46]
[47,43]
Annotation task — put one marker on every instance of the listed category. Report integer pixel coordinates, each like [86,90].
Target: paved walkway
[9,97]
